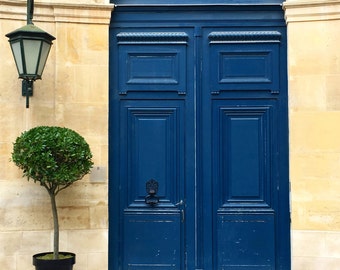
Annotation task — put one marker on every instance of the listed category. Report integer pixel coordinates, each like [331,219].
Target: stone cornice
[57,12]
[316,10]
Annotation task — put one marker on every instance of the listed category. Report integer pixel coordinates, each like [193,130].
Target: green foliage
[53,156]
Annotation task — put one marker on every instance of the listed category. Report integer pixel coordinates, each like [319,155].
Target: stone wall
[72,93]
[314,102]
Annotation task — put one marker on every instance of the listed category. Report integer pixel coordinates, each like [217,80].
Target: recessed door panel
[152,61]
[243,136]
[152,136]
[245,132]
[244,60]
[152,241]
[246,241]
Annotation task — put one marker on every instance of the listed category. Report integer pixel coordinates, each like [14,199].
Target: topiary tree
[54,157]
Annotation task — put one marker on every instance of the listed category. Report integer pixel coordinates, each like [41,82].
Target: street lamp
[30,47]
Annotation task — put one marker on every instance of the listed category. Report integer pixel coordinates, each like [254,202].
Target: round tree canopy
[54,156]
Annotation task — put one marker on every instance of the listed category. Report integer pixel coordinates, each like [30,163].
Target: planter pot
[62,264]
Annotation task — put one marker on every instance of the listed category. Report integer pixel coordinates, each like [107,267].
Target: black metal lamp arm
[30,10]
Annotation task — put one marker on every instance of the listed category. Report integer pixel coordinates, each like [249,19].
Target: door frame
[126,16]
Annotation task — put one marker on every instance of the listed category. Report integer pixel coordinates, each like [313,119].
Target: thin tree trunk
[55,227]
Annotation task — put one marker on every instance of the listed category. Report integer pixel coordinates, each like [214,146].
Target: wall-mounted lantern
[30,47]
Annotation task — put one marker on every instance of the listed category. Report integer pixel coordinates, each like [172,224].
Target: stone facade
[74,93]
[314,112]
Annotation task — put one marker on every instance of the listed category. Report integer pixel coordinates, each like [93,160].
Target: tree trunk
[55,227]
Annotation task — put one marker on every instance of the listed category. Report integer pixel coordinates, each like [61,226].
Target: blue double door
[198,141]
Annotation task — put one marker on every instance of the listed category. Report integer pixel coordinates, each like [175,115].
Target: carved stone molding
[57,12]
[319,10]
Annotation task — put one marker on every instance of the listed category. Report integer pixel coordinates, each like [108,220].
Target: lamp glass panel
[45,49]
[32,51]
[16,49]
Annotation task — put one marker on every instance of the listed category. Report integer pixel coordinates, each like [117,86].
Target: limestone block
[74,217]
[307,92]
[24,262]
[315,131]
[75,195]
[35,242]
[98,217]
[315,250]
[88,241]
[10,243]
[81,261]
[8,262]
[9,170]
[315,263]
[97,261]
[314,92]
[333,91]
[27,218]
[85,118]
[315,215]
[332,245]
[315,166]
[322,57]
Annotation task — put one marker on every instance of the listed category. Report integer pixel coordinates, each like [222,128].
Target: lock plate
[152,189]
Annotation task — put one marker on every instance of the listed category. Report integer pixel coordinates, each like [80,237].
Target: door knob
[151,189]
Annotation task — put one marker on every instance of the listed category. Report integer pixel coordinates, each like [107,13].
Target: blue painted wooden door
[198,110]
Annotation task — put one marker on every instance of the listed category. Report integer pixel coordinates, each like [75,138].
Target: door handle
[181,205]
[152,189]
[181,202]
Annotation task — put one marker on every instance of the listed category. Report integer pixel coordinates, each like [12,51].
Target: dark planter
[63,264]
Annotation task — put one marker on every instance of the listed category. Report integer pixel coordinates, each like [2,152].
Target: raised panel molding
[152,68]
[154,62]
[244,36]
[244,153]
[244,66]
[152,37]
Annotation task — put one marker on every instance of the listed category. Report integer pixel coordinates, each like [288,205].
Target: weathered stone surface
[72,93]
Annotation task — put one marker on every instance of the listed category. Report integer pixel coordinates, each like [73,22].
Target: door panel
[152,61]
[154,123]
[243,90]
[152,151]
[153,233]
[152,241]
[243,136]
[244,60]
[244,132]
[246,241]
